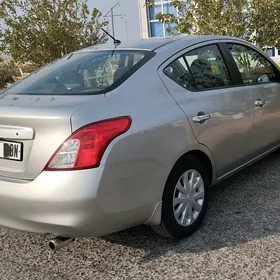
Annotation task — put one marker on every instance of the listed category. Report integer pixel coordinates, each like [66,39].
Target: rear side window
[94,72]
[200,69]
[179,72]
[253,67]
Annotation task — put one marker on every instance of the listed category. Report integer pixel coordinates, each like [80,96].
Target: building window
[157,28]
[153,11]
[271,52]
[168,9]
[172,26]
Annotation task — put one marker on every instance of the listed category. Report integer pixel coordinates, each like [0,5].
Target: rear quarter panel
[137,163]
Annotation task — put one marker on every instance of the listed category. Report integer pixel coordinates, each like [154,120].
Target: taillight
[85,147]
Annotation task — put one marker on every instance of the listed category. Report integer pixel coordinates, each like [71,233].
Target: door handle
[200,119]
[259,103]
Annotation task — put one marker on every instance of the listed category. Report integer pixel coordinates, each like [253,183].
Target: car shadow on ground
[243,208]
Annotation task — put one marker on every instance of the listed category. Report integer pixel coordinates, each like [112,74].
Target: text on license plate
[11,150]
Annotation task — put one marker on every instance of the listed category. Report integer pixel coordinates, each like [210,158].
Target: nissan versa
[107,138]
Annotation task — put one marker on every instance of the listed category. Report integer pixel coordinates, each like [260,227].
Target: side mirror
[263,79]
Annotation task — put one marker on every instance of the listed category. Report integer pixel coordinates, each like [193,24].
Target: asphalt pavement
[239,239]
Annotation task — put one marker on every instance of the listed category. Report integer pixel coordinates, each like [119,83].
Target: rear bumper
[70,204]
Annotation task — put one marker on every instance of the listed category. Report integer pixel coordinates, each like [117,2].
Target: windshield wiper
[116,41]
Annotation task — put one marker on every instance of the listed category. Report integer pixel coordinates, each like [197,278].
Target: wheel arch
[203,157]
[207,160]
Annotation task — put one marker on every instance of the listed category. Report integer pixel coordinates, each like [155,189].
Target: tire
[179,228]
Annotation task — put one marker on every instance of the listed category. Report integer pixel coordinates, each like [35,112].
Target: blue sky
[129,10]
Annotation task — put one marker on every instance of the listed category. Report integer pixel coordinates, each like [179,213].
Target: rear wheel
[185,199]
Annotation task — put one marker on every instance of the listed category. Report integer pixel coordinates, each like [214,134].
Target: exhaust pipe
[60,242]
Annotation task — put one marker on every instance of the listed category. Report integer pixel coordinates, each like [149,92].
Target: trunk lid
[34,127]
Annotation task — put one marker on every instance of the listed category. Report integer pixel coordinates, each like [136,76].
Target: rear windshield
[82,73]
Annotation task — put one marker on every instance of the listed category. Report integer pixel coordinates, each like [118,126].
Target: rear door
[220,114]
[259,77]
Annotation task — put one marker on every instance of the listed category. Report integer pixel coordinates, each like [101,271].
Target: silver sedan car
[104,139]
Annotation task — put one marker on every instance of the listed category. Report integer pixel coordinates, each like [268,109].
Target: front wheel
[185,199]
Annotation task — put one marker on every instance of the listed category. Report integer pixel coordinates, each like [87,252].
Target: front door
[221,115]
[260,78]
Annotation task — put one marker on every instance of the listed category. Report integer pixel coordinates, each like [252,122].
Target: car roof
[153,44]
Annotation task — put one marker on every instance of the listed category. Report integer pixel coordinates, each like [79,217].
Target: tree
[257,21]
[7,71]
[200,17]
[40,31]
[264,22]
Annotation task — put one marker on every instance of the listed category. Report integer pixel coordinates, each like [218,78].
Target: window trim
[236,69]
[182,55]
[227,59]
[231,65]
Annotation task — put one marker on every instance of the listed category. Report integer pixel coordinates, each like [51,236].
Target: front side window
[200,69]
[253,67]
[92,72]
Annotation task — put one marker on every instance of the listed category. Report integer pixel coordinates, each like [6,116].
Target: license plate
[11,150]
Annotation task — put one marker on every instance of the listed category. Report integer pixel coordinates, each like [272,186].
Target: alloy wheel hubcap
[188,198]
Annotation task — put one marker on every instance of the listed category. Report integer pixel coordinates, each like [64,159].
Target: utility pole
[111,14]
